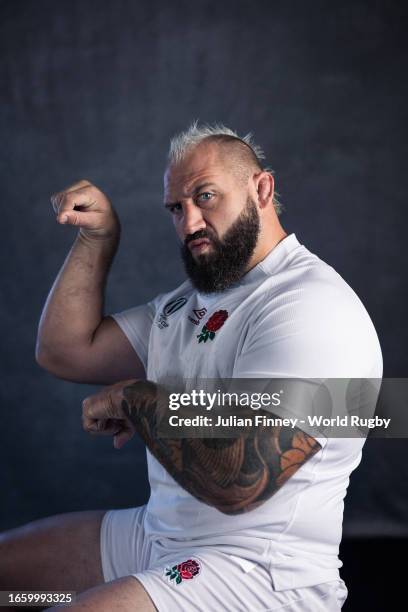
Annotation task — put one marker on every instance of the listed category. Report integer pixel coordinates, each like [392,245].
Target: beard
[229,257]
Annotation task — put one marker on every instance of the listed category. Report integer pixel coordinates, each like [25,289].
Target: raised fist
[84,205]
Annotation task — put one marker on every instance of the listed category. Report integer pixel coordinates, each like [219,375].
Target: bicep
[112,356]
[109,358]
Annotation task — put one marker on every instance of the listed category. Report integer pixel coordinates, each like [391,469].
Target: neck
[265,245]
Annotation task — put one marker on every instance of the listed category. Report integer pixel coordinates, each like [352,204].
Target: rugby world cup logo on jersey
[169,309]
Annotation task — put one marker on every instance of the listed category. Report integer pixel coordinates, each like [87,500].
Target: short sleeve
[136,323]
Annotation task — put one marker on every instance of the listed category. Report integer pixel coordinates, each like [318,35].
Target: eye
[205,196]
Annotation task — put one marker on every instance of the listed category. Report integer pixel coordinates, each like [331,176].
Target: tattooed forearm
[235,474]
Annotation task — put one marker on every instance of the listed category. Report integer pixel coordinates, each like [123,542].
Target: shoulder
[310,311]
[311,288]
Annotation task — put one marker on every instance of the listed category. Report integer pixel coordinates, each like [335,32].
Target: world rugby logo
[174,305]
[169,309]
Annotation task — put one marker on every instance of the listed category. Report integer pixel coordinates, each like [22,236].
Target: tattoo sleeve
[234,475]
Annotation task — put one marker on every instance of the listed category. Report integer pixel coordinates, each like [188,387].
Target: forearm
[234,475]
[74,307]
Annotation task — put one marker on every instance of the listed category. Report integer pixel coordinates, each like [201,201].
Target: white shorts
[201,579]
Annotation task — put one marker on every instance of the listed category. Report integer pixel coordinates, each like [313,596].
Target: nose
[192,219]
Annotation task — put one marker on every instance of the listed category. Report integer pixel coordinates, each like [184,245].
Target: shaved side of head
[232,152]
[236,155]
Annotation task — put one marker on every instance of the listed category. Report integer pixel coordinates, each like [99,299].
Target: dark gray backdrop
[95,90]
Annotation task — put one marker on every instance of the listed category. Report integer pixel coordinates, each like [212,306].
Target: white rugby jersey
[291,316]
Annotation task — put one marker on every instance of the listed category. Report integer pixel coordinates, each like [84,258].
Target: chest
[201,339]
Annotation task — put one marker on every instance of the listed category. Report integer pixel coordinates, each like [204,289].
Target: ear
[264,185]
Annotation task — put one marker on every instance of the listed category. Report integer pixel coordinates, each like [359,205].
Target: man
[251,523]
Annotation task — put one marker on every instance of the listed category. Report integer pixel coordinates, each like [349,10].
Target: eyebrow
[195,191]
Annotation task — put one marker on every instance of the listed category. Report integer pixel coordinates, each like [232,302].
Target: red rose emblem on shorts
[213,324]
[186,570]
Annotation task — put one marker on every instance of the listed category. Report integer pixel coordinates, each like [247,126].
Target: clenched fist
[84,205]
[119,409]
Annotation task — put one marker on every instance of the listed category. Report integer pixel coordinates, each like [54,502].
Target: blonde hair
[253,154]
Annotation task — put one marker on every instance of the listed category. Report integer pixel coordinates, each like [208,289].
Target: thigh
[60,552]
[125,549]
[124,594]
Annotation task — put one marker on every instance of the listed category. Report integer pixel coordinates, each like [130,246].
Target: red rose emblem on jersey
[216,320]
[214,323]
[187,570]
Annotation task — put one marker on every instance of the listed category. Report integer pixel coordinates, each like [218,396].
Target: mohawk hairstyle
[253,154]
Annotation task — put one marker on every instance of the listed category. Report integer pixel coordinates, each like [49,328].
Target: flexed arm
[233,475]
[75,340]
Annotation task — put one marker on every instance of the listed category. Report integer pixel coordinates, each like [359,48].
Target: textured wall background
[93,89]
